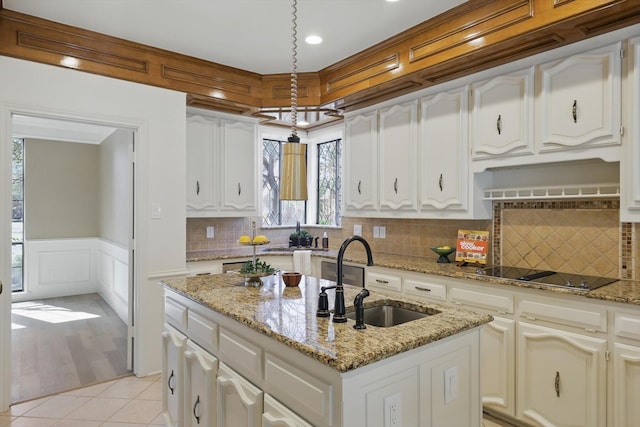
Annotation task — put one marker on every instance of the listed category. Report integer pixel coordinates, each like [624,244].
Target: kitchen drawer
[241,355]
[309,396]
[383,282]
[495,302]
[203,331]
[175,314]
[627,325]
[425,289]
[585,317]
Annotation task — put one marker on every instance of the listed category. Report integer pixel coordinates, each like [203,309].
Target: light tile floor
[125,402]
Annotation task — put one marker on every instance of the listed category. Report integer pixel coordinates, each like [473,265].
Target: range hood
[564,180]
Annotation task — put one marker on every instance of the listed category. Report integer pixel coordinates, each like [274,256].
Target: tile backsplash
[579,236]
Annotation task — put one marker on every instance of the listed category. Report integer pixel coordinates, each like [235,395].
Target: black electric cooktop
[547,277]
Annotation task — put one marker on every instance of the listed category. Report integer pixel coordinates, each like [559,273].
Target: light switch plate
[210,232]
[357,229]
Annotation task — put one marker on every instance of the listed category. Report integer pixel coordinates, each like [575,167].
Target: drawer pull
[420,288]
[195,407]
[386,282]
[557,384]
[173,389]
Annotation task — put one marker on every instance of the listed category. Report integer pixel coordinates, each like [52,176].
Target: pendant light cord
[294,71]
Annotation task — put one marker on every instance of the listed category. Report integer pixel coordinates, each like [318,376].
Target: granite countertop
[623,291]
[288,315]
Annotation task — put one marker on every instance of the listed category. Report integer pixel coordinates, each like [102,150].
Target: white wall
[158,116]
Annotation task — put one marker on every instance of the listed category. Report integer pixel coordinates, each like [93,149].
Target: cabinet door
[239,401]
[626,380]
[498,365]
[561,378]
[201,191]
[200,377]
[361,156]
[277,415]
[629,172]
[398,157]
[503,116]
[443,151]
[239,165]
[173,347]
[580,101]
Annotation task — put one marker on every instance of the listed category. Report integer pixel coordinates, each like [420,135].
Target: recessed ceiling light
[313,39]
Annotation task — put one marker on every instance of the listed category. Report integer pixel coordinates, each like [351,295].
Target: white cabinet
[200,380]
[502,119]
[240,403]
[382,280]
[277,415]
[626,369]
[173,348]
[629,170]
[222,166]
[361,160]
[425,287]
[579,103]
[398,156]
[498,365]
[561,377]
[443,147]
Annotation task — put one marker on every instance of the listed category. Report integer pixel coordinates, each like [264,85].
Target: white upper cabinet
[629,170]
[579,102]
[398,153]
[443,147]
[361,157]
[503,115]
[222,166]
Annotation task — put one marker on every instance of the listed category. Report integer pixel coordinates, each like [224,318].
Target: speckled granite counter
[288,315]
[623,291]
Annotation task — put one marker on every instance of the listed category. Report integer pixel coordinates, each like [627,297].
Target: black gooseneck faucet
[339,307]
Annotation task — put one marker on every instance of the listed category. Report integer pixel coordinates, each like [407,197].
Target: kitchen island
[240,355]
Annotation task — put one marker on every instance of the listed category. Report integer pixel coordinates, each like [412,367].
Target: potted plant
[304,238]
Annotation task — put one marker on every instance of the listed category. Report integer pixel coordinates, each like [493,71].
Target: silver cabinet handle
[197,188]
[499,124]
[239,189]
[557,384]
[359,186]
[440,182]
[574,111]
[420,288]
[173,389]
[195,406]
[395,186]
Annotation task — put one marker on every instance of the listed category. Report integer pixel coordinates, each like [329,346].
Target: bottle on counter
[325,241]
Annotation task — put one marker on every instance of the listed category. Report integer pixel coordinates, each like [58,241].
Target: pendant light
[293,185]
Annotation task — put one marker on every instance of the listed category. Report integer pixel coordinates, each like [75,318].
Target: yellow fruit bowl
[444,252]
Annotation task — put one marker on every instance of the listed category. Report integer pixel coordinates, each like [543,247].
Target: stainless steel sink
[391,313]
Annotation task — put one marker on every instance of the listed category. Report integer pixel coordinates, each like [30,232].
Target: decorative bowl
[291,278]
[444,252]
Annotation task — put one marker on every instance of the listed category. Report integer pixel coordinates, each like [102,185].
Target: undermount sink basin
[390,313]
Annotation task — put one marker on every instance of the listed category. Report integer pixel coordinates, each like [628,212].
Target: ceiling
[254,35]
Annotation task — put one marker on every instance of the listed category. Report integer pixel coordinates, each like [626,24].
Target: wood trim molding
[474,36]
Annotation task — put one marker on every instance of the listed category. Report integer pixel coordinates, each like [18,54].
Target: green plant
[303,234]
[260,267]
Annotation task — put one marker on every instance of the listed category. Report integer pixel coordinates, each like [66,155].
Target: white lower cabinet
[626,379]
[200,392]
[277,415]
[561,377]
[173,348]
[239,401]
[498,365]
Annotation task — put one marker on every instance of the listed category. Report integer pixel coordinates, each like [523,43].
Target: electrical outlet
[357,229]
[393,411]
[376,232]
[383,232]
[450,384]
[210,232]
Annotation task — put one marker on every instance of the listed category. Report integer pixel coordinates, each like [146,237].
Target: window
[329,185]
[274,210]
[17,216]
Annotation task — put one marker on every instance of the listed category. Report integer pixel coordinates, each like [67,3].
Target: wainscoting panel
[113,277]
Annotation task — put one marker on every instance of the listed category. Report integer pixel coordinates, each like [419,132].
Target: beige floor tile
[90,391]
[127,388]
[138,411]
[77,423]
[153,392]
[33,422]
[57,406]
[5,420]
[98,409]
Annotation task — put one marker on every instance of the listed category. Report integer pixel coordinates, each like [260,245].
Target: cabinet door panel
[580,100]
[201,193]
[498,365]
[398,156]
[561,377]
[200,397]
[239,163]
[239,401]
[173,348]
[277,415]
[626,380]
[361,154]
[443,151]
